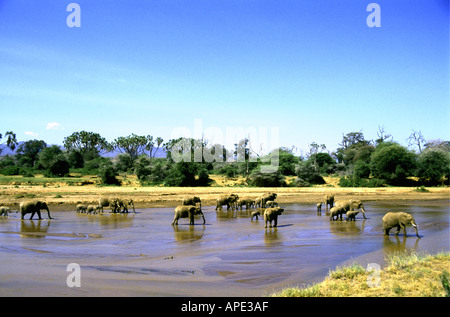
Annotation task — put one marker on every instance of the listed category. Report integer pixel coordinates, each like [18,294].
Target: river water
[142,254]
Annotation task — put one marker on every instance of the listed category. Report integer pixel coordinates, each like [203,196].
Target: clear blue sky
[312,69]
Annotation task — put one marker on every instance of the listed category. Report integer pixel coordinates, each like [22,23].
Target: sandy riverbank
[65,197]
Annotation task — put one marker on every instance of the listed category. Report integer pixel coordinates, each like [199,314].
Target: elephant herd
[189,208]
[116,205]
[390,220]
[266,204]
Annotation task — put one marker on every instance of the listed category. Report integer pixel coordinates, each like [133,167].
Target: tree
[53,161]
[11,141]
[28,152]
[134,145]
[416,138]
[89,144]
[434,166]
[392,162]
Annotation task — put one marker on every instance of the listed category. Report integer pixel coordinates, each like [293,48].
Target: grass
[406,275]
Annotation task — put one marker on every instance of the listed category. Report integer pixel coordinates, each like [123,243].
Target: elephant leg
[275,222]
[203,218]
[398,230]
[175,220]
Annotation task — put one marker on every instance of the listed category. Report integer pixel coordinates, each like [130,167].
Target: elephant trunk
[363,212]
[416,227]
[48,212]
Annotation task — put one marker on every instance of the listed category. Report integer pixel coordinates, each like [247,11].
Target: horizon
[314,71]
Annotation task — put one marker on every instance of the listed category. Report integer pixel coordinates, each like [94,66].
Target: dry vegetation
[405,276]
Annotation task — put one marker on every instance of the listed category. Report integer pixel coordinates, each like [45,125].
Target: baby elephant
[351,215]
[399,220]
[255,214]
[187,211]
[4,211]
[271,214]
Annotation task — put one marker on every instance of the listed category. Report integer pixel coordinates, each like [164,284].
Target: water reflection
[34,228]
[188,233]
[395,243]
[347,227]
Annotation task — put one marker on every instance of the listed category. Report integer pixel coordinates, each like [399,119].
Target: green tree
[393,163]
[434,166]
[89,144]
[28,152]
[53,161]
[11,141]
[134,145]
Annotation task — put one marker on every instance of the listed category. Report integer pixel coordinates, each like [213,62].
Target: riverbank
[407,275]
[61,196]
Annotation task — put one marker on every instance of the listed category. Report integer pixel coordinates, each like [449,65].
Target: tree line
[357,161]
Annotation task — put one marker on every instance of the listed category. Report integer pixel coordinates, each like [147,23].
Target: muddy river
[142,254]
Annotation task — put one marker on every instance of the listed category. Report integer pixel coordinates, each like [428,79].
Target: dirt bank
[65,197]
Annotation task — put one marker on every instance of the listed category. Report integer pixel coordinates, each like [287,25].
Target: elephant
[336,211]
[229,200]
[271,203]
[124,205]
[271,214]
[191,200]
[111,202]
[266,197]
[248,202]
[319,208]
[187,211]
[399,220]
[32,207]
[4,211]
[351,215]
[351,204]
[93,209]
[81,208]
[329,201]
[258,202]
[255,214]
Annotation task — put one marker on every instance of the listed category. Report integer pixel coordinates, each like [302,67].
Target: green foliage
[434,166]
[445,276]
[89,144]
[393,163]
[108,174]
[355,181]
[308,174]
[260,179]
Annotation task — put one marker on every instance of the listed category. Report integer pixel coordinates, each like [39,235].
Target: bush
[59,166]
[434,166]
[108,175]
[259,179]
[308,174]
[393,163]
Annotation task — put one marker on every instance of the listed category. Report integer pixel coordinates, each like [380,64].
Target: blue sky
[312,69]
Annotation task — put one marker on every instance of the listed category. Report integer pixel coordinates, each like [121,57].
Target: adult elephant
[191,200]
[229,201]
[399,220]
[4,211]
[337,212]
[124,205]
[351,204]
[111,202]
[247,202]
[271,214]
[329,201]
[267,197]
[33,207]
[183,211]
